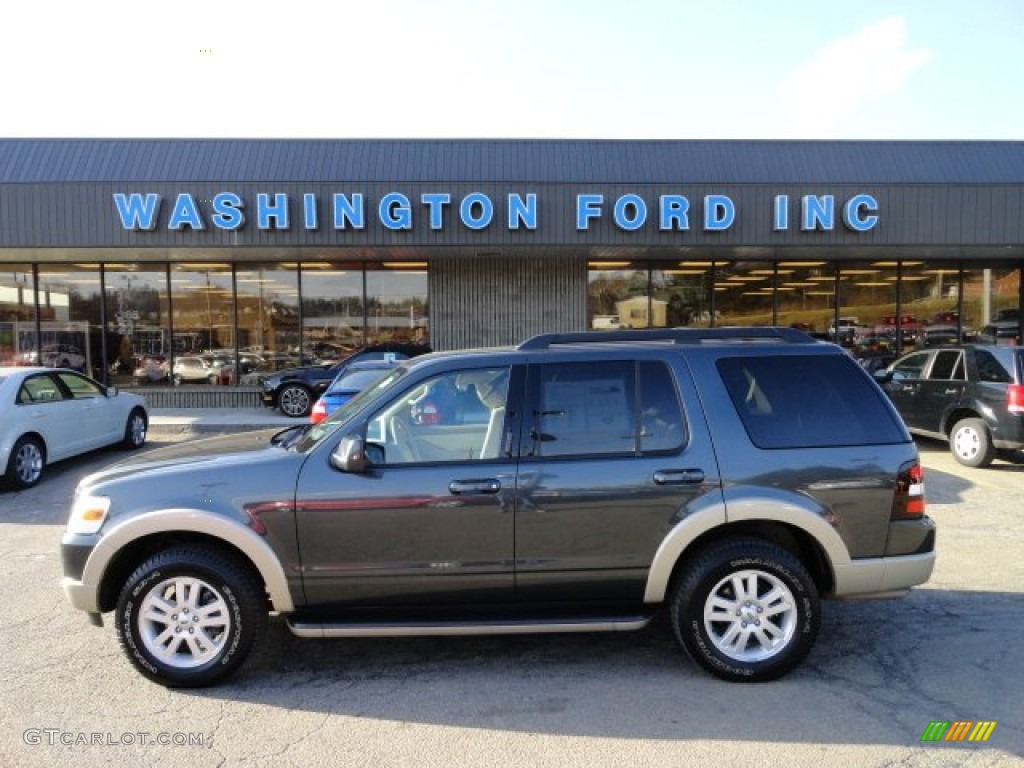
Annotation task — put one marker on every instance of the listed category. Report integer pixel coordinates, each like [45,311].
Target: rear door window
[948,365]
[602,408]
[808,401]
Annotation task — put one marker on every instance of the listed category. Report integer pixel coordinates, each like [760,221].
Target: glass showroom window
[618,296]
[268,320]
[806,295]
[69,313]
[992,302]
[743,293]
[203,346]
[333,315]
[138,324]
[17,314]
[396,302]
[867,307]
[684,291]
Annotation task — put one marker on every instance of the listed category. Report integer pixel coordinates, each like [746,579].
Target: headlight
[88,514]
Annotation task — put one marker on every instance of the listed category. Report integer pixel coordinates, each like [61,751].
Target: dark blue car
[350,382]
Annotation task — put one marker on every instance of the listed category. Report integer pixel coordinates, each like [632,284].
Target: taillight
[908,503]
[1015,398]
[319,412]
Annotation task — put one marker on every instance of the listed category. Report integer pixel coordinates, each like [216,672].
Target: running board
[425,629]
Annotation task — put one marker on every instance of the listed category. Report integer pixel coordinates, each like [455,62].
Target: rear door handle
[678,476]
[488,485]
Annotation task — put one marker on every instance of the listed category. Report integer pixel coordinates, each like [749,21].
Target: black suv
[294,390]
[970,395]
[729,477]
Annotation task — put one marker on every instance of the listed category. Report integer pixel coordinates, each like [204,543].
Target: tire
[755,638]
[971,444]
[149,608]
[26,462]
[294,400]
[135,430]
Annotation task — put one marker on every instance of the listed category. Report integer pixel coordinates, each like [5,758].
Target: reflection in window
[69,310]
[17,314]
[332,309]
[138,325]
[203,308]
[684,290]
[806,295]
[396,302]
[743,293]
[618,297]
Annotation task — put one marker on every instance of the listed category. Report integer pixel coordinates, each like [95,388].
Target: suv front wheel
[746,610]
[188,617]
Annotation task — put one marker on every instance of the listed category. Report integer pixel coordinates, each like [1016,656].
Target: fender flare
[251,544]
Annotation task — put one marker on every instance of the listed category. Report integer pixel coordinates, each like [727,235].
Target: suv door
[907,374]
[431,521]
[943,387]
[608,462]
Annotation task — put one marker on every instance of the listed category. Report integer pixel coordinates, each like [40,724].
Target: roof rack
[674,335]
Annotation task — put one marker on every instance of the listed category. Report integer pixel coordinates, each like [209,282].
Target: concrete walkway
[164,421]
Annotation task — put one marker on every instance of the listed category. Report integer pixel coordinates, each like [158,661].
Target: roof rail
[674,335]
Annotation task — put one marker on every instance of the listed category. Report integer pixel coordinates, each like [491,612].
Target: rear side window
[808,401]
[612,407]
[992,369]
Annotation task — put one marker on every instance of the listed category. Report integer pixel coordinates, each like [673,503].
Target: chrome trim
[304,629]
[85,594]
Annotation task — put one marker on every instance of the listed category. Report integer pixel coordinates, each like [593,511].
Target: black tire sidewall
[708,570]
[11,473]
[129,440]
[248,619]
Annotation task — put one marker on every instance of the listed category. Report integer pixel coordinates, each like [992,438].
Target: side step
[424,629]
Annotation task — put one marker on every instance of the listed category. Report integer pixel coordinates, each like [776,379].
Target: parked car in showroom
[970,395]
[57,356]
[49,414]
[293,391]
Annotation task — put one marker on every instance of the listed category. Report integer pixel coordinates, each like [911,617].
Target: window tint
[808,401]
[584,409]
[991,369]
[661,421]
[947,365]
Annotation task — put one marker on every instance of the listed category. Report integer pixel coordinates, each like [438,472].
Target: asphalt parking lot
[880,673]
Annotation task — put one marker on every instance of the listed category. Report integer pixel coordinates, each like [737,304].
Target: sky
[636,69]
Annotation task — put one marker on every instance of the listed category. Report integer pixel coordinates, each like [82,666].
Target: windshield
[318,432]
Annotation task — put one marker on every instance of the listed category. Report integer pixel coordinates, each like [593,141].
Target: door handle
[953,391]
[678,476]
[488,485]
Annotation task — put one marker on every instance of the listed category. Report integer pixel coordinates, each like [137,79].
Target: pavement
[174,421]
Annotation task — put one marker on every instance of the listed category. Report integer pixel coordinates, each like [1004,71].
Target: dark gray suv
[731,477]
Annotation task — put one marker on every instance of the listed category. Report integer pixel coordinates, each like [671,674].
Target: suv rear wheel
[188,617]
[746,610]
[971,444]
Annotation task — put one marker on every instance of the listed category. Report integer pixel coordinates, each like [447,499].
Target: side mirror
[349,456]
[882,376]
[112,391]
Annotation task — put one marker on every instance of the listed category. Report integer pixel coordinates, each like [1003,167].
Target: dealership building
[114,251]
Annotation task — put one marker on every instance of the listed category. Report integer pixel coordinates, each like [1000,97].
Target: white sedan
[49,414]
